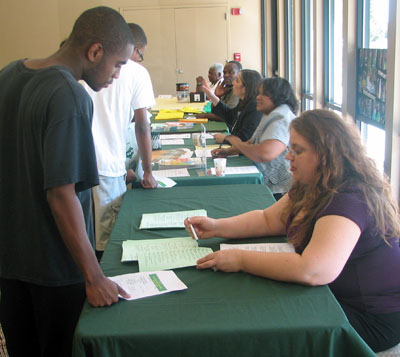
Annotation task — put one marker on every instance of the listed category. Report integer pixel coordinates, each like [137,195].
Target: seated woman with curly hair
[342,221]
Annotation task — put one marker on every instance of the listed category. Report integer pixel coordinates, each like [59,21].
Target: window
[374,26]
[289,41]
[307,55]
[333,53]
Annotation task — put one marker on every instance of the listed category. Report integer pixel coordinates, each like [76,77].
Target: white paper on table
[261,247]
[165,96]
[168,219]
[164,182]
[199,153]
[131,248]
[172,142]
[171,173]
[239,170]
[174,136]
[140,285]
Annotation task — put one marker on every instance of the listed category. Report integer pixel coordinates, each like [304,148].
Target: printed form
[140,285]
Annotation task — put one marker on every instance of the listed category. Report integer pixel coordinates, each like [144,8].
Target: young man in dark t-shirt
[47,261]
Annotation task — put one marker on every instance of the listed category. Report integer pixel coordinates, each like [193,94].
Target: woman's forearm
[264,152]
[289,267]
[246,225]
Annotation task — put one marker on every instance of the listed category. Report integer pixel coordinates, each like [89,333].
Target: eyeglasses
[141,57]
[295,152]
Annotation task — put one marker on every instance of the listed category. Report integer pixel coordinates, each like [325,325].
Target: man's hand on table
[216,153]
[104,292]
[149,181]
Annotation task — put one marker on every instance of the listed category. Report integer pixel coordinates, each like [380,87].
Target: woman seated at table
[244,118]
[268,145]
[342,221]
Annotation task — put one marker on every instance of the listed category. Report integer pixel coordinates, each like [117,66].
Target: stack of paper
[169,114]
[161,254]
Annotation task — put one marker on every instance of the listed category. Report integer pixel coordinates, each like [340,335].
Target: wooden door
[201,40]
[182,43]
[160,55]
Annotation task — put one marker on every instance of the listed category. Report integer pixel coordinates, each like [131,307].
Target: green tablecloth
[220,314]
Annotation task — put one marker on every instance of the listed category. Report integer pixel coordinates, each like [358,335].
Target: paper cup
[220,165]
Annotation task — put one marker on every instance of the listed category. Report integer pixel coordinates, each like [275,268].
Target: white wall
[34,28]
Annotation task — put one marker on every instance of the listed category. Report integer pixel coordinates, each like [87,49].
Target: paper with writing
[131,248]
[168,219]
[171,259]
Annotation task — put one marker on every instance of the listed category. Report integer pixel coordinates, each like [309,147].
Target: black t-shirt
[46,141]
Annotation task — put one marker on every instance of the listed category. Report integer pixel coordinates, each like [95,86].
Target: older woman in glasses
[342,221]
[267,146]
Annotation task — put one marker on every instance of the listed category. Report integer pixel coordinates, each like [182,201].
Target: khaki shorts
[107,198]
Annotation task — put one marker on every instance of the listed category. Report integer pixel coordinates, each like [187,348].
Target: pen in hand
[194,233]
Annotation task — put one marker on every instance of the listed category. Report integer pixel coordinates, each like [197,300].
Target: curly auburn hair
[343,163]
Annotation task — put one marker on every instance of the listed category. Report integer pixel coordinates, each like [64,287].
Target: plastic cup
[196,139]
[220,165]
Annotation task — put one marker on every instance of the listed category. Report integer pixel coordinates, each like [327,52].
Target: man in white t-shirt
[113,110]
